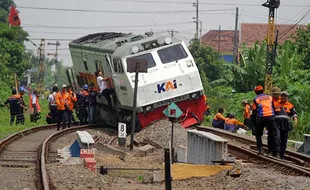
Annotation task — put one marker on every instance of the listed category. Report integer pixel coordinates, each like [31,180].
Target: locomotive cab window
[117,66]
[150,61]
[85,65]
[171,54]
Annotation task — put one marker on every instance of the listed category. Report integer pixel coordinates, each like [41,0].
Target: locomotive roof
[106,42]
[125,49]
[103,41]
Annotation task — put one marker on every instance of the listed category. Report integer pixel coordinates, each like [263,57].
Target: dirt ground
[17,178]
[79,178]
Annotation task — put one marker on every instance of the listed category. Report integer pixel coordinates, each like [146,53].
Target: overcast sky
[139,16]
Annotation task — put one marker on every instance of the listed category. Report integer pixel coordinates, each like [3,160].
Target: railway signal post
[173,112]
[135,66]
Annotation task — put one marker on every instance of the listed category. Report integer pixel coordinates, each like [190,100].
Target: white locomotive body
[171,75]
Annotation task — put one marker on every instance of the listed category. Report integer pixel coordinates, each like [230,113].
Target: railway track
[245,148]
[25,153]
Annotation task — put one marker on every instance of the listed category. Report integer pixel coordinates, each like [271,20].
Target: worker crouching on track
[219,120]
[15,105]
[62,101]
[263,116]
[232,124]
[284,110]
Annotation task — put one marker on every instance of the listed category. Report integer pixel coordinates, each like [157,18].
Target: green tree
[4,9]
[303,46]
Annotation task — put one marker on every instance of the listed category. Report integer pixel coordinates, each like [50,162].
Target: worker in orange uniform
[34,103]
[284,110]
[83,104]
[231,124]
[207,109]
[15,106]
[219,120]
[263,116]
[62,102]
[247,115]
[72,101]
[275,93]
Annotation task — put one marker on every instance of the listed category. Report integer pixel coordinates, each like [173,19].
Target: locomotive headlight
[148,108]
[147,46]
[154,44]
[194,96]
[168,40]
[135,49]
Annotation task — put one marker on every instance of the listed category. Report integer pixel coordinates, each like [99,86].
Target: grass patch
[5,127]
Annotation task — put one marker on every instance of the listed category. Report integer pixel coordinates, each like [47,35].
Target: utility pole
[56,57]
[236,39]
[41,55]
[197,18]
[200,30]
[219,41]
[171,32]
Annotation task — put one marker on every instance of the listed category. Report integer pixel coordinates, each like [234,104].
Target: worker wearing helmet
[83,104]
[73,99]
[14,104]
[284,111]
[275,93]
[263,116]
[62,102]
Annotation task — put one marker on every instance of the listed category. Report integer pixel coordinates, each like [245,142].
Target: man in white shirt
[52,104]
[104,91]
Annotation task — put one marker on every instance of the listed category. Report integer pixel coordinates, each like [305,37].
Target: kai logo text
[166,86]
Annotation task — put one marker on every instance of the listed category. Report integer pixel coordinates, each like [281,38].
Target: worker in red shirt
[263,116]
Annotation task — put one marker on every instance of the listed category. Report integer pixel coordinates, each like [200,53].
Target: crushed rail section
[297,164]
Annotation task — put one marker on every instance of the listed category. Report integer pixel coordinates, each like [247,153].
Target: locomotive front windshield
[173,53]
[150,61]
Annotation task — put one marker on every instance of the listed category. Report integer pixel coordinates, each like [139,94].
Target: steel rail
[298,156]
[44,150]
[249,155]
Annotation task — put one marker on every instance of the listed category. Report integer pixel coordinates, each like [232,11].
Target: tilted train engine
[172,75]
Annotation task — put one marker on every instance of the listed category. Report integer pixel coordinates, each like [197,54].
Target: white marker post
[122,134]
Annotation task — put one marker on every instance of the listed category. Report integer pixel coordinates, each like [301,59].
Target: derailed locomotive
[172,75]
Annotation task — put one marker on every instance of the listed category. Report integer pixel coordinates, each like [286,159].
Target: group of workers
[17,106]
[63,102]
[271,112]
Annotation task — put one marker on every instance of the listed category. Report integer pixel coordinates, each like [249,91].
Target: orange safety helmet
[258,88]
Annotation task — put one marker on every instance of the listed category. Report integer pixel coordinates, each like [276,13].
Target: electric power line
[202,3]
[125,12]
[105,27]
[292,27]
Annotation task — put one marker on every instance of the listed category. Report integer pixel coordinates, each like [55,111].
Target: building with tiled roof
[249,33]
